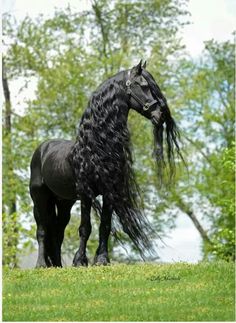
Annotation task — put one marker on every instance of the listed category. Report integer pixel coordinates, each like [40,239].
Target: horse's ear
[137,70]
[144,64]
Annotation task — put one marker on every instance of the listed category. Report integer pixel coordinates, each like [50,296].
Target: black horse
[99,162]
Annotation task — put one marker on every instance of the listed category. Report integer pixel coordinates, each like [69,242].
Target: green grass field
[141,292]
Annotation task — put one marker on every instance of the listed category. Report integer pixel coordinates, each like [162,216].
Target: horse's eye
[143,84]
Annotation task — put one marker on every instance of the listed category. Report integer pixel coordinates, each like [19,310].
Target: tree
[10,226]
[206,106]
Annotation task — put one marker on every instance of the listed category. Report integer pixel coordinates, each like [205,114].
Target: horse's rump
[51,166]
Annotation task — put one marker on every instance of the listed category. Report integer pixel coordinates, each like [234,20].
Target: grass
[141,292]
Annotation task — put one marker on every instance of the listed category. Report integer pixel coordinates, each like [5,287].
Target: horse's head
[145,95]
[146,98]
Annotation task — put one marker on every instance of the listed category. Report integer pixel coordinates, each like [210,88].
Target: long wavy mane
[166,136]
[102,159]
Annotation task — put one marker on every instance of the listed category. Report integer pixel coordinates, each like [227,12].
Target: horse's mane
[102,160]
[171,133]
[101,153]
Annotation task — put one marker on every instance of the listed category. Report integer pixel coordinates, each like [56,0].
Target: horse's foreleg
[85,228]
[101,257]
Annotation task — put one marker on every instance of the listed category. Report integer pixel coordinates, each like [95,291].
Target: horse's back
[50,166]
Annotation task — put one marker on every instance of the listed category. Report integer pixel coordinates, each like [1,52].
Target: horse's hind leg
[41,197]
[63,218]
[80,258]
[101,257]
[40,234]
[51,241]
[50,228]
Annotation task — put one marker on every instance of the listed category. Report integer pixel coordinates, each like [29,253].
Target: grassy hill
[140,292]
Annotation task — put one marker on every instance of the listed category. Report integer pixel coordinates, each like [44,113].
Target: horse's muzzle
[157,117]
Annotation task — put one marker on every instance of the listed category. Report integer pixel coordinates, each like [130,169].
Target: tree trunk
[195,221]
[199,227]
[9,204]
[104,33]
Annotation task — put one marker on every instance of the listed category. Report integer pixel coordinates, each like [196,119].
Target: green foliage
[221,194]
[147,292]
[205,107]
[10,237]
[216,179]
[15,197]
[223,244]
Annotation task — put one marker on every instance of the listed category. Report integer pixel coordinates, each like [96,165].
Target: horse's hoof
[80,262]
[101,260]
[41,264]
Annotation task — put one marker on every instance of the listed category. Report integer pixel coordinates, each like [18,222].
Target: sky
[210,19]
